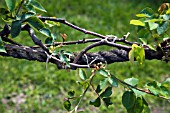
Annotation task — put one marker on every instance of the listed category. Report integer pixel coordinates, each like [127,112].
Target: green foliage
[82,74]
[35,22]
[71,93]
[2,49]
[103,83]
[138,53]
[128,99]
[15,28]
[96,102]
[3,11]
[63,57]
[113,81]
[45,32]
[134,104]
[158,89]
[37,5]
[11,4]
[104,72]
[107,101]
[154,25]
[132,81]
[67,105]
[107,92]
[137,22]
[49,83]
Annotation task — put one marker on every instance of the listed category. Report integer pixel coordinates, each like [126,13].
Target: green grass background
[45,89]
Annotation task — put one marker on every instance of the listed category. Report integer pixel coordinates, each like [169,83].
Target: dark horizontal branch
[28,53]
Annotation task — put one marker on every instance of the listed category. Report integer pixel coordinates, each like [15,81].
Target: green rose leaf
[143,33]
[37,5]
[96,102]
[35,22]
[107,101]
[132,81]
[138,93]
[3,11]
[51,23]
[26,16]
[154,88]
[71,93]
[142,15]
[162,28]
[165,92]
[98,89]
[138,52]
[166,17]
[48,40]
[107,92]
[30,8]
[128,99]
[104,72]
[113,81]
[67,105]
[131,56]
[137,22]
[2,49]
[64,59]
[82,74]
[147,11]
[45,32]
[68,53]
[166,83]
[139,106]
[84,84]
[103,83]
[11,4]
[153,25]
[15,28]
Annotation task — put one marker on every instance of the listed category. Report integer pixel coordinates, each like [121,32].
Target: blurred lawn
[46,89]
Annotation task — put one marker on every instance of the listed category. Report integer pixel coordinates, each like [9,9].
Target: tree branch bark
[32,54]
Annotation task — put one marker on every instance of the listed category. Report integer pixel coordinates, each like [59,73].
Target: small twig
[83,41]
[102,42]
[72,42]
[93,60]
[19,8]
[119,46]
[125,36]
[48,58]
[87,59]
[81,98]
[145,91]
[97,93]
[35,39]
[90,82]
[4,35]
[63,21]
[86,49]
[73,64]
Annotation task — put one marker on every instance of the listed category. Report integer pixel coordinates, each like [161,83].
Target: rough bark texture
[28,53]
